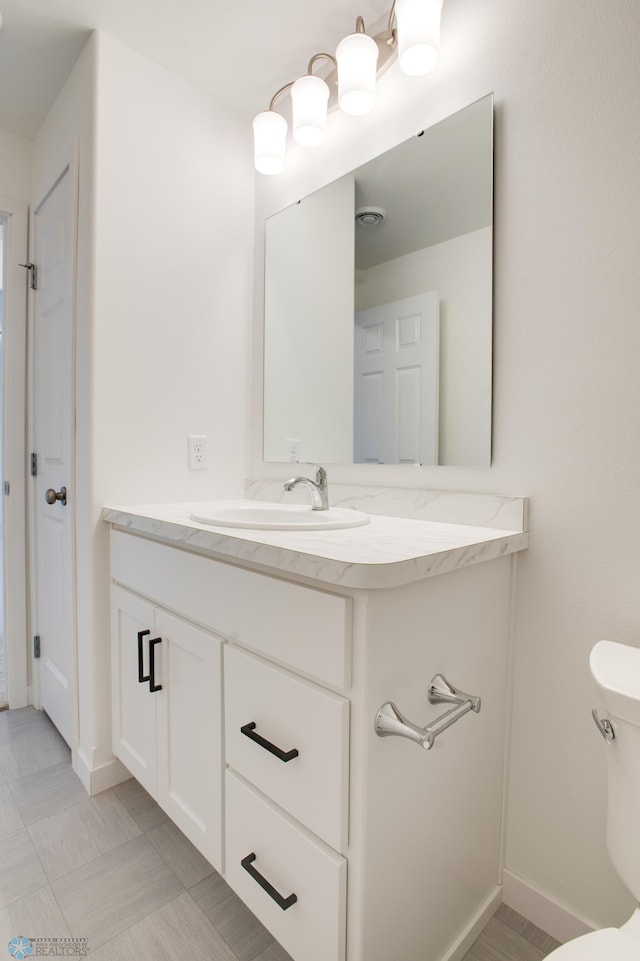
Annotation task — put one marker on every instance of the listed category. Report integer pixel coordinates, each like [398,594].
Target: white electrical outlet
[197,445]
[294,449]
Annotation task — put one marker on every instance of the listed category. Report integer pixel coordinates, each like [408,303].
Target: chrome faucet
[318,488]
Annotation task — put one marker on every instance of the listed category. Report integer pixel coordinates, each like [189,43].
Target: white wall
[15,166]
[175,200]
[459,270]
[174,204]
[566,379]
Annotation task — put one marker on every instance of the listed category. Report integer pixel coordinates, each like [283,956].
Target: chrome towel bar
[390,722]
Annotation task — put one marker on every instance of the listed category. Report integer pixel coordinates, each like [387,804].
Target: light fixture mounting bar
[321,56]
[287,86]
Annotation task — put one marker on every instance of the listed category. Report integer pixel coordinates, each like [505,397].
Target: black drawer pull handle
[284,903]
[142,677]
[249,731]
[153,687]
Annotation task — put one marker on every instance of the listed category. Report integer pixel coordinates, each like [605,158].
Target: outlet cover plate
[197,449]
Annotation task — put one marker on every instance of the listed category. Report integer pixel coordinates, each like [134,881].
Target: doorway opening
[13,515]
[3,674]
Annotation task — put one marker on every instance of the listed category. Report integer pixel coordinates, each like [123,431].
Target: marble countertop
[388,552]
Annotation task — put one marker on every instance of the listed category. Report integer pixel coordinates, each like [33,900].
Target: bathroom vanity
[248,669]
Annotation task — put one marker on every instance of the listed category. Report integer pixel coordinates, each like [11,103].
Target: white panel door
[53,399]
[397,361]
[189,723]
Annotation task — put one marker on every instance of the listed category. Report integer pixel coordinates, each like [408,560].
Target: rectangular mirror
[378,307]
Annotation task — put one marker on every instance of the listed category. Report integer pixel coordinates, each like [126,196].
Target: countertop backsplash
[446,507]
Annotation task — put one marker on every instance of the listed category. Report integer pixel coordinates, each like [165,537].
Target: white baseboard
[475,926]
[556,919]
[101,778]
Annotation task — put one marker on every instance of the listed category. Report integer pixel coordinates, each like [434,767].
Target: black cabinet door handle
[284,903]
[249,731]
[142,677]
[153,687]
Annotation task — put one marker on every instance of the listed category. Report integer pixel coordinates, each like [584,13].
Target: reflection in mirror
[378,307]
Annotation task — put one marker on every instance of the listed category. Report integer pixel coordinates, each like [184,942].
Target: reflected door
[396,382]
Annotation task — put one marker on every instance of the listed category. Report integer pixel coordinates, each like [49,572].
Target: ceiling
[241,50]
[432,188]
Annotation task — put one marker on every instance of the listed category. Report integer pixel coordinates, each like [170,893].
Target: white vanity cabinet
[346,845]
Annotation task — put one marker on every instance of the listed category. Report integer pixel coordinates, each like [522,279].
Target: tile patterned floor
[3,680]
[115,870]
[510,937]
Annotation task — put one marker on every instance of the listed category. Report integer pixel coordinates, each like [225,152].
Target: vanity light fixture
[270,141]
[418,35]
[412,34]
[357,57]
[309,102]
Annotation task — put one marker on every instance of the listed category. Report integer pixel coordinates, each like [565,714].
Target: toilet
[616,671]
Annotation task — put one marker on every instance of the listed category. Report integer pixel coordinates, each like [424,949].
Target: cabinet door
[188,665]
[133,705]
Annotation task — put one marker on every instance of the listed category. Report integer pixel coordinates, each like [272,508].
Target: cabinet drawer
[293,862]
[300,626]
[290,714]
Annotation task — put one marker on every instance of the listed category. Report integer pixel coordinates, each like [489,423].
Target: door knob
[51,496]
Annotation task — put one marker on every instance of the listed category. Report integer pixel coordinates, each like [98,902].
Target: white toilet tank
[616,671]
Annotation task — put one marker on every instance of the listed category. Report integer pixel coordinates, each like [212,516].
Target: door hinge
[33,275]
[36,645]
[34,465]
[6,488]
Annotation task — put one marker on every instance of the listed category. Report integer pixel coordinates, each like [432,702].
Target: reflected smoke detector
[369,216]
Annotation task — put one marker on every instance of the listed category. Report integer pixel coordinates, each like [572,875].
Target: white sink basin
[255,515]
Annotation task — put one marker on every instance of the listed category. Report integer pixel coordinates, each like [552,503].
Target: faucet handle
[321,475]
[317,488]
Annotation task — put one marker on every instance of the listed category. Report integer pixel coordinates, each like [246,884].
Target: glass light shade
[309,97]
[357,56]
[418,35]
[269,142]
